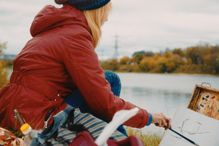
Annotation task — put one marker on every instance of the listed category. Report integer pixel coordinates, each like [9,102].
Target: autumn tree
[138,56]
[217,65]
[111,64]
[3,72]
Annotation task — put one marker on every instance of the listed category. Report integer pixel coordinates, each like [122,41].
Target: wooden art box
[205,100]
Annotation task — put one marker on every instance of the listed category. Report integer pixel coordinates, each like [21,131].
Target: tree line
[199,59]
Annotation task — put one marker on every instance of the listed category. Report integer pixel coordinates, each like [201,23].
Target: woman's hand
[160,120]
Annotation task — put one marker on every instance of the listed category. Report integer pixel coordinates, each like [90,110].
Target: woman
[59,59]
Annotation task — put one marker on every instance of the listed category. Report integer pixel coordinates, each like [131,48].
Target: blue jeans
[76,99]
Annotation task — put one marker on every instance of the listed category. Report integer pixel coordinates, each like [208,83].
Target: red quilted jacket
[58,59]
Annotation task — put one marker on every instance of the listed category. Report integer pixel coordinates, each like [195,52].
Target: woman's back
[39,76]
[59,59]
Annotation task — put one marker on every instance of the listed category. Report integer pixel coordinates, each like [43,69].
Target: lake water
[161,92]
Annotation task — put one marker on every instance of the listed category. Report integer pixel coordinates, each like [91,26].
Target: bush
[3,75]
[148,140]
[3,64]
[217,65]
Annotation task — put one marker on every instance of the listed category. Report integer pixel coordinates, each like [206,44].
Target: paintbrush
[189,140]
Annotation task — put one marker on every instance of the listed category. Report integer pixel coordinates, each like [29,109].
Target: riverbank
[192,74]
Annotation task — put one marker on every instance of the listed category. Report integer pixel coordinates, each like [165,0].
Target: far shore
[194,74]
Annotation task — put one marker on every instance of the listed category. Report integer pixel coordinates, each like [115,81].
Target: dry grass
[148,140]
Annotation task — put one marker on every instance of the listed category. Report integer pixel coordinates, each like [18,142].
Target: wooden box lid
[205,100]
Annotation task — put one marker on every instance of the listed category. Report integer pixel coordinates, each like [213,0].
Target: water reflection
[156,100]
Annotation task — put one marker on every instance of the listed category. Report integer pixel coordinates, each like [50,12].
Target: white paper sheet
[199,128]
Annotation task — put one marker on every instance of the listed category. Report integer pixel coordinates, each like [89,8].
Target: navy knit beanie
[85,4]
[88,4]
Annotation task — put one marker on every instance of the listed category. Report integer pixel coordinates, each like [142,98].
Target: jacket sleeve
[82,64]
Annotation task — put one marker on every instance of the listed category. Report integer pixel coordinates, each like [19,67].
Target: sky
[140,25]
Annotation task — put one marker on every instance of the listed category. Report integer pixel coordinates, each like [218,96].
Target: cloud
[140,25]
[156,25]
[16,17]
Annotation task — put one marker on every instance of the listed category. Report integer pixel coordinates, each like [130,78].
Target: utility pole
[116,47]
[102,53]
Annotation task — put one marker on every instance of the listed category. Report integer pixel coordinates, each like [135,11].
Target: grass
[148,140]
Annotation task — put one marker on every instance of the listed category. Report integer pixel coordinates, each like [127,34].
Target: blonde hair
[95,19]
